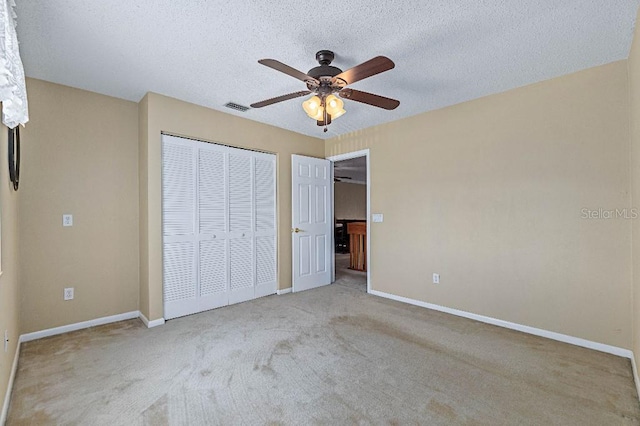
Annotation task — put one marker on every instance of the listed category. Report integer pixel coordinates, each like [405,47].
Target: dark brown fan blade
[280,99]
[369,98]
[366,69]
[279,66]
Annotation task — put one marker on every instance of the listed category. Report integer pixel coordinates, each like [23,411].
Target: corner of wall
[633,79]
[143,177]
[10,307]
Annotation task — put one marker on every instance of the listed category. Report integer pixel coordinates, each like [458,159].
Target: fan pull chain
[324,107]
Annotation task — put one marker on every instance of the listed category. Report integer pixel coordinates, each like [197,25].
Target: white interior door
[312,227]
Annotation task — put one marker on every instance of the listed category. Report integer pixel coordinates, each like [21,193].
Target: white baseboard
[151,324]
[78,326]
[636,380]
[12,376]
[284,291]
[626,353]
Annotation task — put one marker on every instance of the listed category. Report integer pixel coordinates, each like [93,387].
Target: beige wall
[9,288]
[80,156]
[173,116]
[350,201]
[634,114]
[489,194]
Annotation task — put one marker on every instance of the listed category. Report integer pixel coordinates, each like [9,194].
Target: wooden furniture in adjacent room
[341,236]
[357,245]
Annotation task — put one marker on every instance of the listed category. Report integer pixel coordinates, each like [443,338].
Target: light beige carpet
[333,355]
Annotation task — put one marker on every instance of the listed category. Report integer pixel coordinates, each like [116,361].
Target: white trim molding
[12,376]
[577,341]
[78,326]
[283,291]
[355,182]
[636,380]
[151,324]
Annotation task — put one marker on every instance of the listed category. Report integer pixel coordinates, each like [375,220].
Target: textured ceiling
[206,52]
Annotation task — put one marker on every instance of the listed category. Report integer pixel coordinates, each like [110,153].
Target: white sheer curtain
[13,92]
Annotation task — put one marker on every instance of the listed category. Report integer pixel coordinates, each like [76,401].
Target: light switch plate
[68,293]
[378,217]
[67,220]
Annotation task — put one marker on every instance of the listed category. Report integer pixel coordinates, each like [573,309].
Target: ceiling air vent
[237,107]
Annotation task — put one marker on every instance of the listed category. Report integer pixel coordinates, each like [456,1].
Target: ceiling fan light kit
[315,107]
[325,81]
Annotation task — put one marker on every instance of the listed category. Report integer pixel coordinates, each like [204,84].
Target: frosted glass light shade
[319,115]
[312,105]
[337,114]
[334,105]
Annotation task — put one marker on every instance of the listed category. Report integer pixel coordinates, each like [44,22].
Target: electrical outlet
[67,220]
[6,340]
[436,278]
[68,293]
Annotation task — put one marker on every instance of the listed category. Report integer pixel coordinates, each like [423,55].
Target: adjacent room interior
[350,216]
[437,223]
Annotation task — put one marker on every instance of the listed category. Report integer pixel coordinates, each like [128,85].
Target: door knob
[296,230]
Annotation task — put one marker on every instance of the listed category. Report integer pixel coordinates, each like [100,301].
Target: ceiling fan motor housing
[324,71]
[324,58]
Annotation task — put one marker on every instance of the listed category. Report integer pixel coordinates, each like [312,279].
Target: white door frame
[348,156]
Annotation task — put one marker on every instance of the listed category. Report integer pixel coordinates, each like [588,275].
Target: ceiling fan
[325,81]
[341,178]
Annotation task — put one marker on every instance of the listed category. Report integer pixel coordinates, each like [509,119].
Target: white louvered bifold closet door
[264,178]
[219,225]
[212,228]
[241,259]
[180,265]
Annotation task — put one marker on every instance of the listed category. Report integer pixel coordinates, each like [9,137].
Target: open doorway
[351,219]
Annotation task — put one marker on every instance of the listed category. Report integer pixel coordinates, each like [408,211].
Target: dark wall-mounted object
[14,156]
